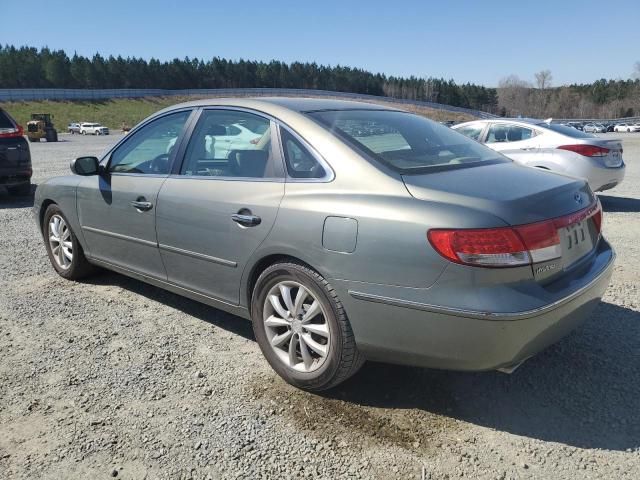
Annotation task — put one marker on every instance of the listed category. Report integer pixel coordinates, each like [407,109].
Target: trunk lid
[516,194]
[614,158]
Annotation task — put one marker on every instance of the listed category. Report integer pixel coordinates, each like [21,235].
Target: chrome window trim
[120,236]
[200,256]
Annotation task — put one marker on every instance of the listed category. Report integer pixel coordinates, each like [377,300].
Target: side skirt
[172,287]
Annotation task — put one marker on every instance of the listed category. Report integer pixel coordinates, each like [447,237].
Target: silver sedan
[345,231]
[554,147]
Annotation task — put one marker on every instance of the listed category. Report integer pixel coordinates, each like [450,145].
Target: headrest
[216,130]
[499,134]
[514,134]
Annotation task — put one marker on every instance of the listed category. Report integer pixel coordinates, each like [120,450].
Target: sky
[468,41]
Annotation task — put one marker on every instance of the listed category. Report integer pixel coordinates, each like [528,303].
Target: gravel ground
[115,378]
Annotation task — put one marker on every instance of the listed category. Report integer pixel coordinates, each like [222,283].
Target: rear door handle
[142,205]
[246,220]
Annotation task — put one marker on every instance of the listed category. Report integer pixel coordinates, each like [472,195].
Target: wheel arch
[261,265]
[43,209]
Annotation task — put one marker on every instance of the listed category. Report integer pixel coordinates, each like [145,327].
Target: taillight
[586,150]
[11,132]
[509,246]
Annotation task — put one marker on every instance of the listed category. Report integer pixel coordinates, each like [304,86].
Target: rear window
[405,142]
[5,121]
[568,131]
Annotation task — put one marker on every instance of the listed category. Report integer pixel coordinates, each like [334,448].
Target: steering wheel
[159,164]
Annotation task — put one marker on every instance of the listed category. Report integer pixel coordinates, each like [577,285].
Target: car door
[117,209]
[518,142]
[216,208]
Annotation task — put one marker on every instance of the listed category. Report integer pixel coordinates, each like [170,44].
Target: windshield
[565,130]
[405,142]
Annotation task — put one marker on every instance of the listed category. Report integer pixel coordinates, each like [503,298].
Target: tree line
[600,99]
[28,67]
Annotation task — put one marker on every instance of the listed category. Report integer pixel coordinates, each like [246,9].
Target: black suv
[15,157]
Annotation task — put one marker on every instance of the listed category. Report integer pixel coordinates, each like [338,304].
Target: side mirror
[85,166]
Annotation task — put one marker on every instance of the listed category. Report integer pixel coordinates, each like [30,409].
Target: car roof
[273,104]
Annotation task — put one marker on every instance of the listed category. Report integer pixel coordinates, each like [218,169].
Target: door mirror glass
[85,166]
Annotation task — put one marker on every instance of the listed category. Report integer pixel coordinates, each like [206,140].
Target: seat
[514,134]
[203,147]
[248,163]
[499,134]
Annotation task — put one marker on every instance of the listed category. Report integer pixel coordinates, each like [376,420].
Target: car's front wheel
[302,328]
[64,249]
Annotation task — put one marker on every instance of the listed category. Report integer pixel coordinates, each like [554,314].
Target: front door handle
[246,220]
[141,204]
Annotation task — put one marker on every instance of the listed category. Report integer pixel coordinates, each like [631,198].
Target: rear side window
[301,163]
[5,121]
[222,146]
[499,132]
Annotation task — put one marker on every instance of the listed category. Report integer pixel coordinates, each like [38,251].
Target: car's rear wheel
[64,249]
[302,328]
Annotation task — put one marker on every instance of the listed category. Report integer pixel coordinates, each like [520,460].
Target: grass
[112,113]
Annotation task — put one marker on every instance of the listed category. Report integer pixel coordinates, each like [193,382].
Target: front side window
[226,143]
[471,131]
[405,142]
[148,149]
[500,132]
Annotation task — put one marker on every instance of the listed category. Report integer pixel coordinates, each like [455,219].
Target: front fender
[62,192]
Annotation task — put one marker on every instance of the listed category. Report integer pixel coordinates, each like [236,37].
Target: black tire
[20,190]
[343,359]
[80,266]
[32,139]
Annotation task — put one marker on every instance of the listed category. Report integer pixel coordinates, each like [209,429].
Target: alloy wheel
[60,242]
[296,326]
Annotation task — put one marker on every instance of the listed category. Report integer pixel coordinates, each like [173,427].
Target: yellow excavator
[41,126]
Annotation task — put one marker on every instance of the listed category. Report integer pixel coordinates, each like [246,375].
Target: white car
[553,147]
[627,127]
[220,139]
[93,129]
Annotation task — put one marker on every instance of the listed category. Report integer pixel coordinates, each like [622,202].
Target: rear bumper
[399,330]
[10,177]
[601,178]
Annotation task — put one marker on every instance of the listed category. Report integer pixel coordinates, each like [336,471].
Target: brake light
[12,132]
[586,150]
[509,246]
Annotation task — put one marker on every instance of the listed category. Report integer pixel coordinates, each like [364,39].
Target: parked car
[15,157]
[406,243]
[576,125]
[73,128]
[221,140]
[594,128]
[554,147]
[610,127]
[627,127]
[93,129]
